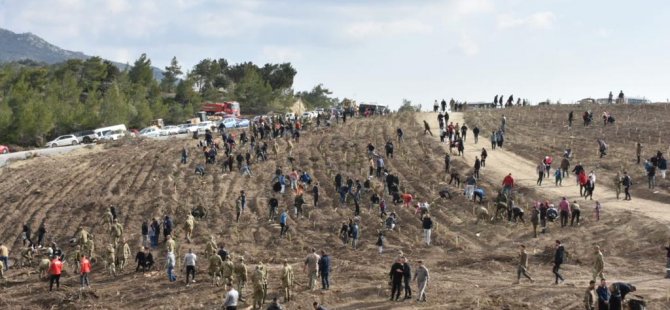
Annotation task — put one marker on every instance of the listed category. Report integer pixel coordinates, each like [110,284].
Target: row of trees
[39,102]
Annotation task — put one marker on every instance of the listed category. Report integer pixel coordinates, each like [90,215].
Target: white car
[188,128]
[150,132]
[113,135]
[170,130]
[203,126]
[307,115]
[63,141]
[229,122]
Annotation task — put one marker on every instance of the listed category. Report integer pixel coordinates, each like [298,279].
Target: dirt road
[499,163]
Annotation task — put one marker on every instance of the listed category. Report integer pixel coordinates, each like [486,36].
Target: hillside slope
[472,266]
[21,46]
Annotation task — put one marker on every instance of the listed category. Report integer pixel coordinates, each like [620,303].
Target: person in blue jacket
[282,222]
[604,295]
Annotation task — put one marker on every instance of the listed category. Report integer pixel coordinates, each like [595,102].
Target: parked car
[229,122]
[188,128]
[289,116]
[170,130]
[242,122]
[86,136]
[204,126]
[4,149]
[113,135]
[307,115]
[63,141]
[150,132]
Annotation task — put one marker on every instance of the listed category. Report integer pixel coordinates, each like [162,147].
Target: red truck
[231,108]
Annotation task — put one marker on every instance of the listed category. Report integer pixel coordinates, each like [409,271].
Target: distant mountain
[22,46]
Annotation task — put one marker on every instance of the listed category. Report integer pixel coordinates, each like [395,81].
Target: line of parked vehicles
[112,133]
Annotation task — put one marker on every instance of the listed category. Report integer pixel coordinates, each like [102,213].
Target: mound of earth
[472,265]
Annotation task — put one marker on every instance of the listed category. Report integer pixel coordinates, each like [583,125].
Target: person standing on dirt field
[564,208]
[167,227]
[565,165]
[407,277]
[535,219]
[435,106]
[589,300]
[287,280]
[241,275]
[400,134]
[598,264]
[85,270]
[282,223]
[184,155]
[575,210]
[427,224]
[464,132]
[422,276]
[522,268]
[426,128]
[570,119]
[189,261]
[475,132]
[559,256]
[396,275]
[443,104]
[604,295]
[55,268]
[638,151]
[627,182]
[494,140]
[508,184]
[324,270]
[312,268]
[540,169]
[478,165]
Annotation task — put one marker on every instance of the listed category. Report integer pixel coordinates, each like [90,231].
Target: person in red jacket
[508,183]
[55,269]
[406,199]
[85,270]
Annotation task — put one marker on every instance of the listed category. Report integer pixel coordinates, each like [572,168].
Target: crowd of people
[279,136]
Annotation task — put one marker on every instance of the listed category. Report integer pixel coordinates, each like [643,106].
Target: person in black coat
[407,276]
[396,275]
[558,260]
[619,292]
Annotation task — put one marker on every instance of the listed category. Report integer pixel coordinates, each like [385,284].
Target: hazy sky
[385,50]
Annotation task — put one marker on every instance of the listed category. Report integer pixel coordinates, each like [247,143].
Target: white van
[100,132]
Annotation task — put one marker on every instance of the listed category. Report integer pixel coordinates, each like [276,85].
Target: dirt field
[547,128]
[472,266]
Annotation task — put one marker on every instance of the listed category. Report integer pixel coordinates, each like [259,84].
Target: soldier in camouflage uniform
[123,251]
[215,265]
[210,247]
[111,260]
[259,287]
[241,275]
[82,236]
[227,271]
[287,281]
[188,227]
[89,248]
[76,258]
[116,233]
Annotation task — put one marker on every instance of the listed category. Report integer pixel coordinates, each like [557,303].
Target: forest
[39,102]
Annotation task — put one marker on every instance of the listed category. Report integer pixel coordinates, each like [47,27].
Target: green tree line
[39,102]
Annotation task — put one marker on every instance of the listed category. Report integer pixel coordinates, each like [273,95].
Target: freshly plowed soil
[472,266]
